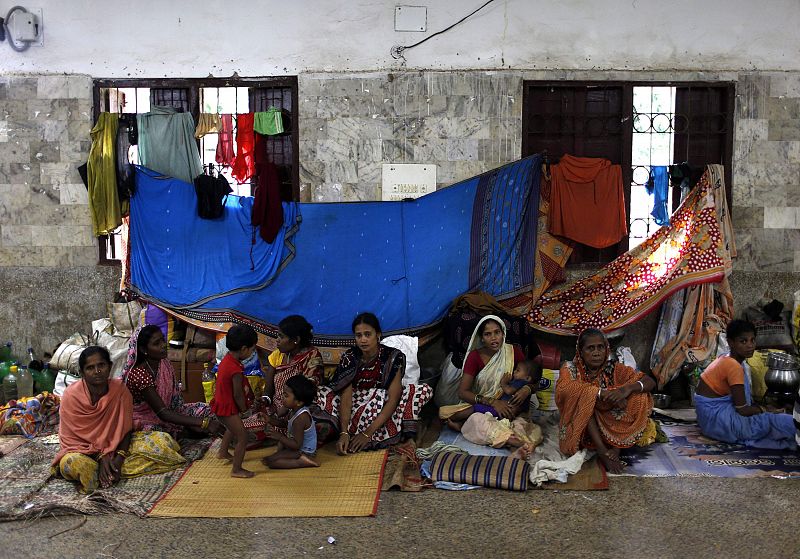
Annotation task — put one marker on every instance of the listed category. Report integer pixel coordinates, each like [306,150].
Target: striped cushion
[501,472]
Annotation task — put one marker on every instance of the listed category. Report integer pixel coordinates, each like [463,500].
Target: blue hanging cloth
[404,261]
[659,184]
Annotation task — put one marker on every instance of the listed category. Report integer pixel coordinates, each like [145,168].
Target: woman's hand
[343,443]
[519,397]
[110,469]
[359,442]
[615,396]
[504,409]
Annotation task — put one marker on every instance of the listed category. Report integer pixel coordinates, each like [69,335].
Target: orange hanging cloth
[587,201]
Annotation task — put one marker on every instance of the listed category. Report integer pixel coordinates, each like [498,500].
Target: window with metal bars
[212,95]
[635,125]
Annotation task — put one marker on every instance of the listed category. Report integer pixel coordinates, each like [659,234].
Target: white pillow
[409,346]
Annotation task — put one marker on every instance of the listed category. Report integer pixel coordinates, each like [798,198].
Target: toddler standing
[233,395]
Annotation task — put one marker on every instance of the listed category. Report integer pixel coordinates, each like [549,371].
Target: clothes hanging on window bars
[267,207]
[207,123]
[588,201]
[101,176]
[244,164]
[225,155]
[167,143]
[269,122]
[658,186]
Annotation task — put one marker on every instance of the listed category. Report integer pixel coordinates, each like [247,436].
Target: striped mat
[341,486]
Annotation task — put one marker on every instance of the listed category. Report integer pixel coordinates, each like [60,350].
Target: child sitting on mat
[300,447]
[233,395]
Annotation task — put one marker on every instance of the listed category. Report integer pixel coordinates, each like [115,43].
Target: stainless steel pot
[783,376]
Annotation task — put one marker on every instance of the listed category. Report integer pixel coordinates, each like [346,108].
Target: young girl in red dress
[233,395]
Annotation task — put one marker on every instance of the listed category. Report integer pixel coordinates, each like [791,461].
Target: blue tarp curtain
[404,261]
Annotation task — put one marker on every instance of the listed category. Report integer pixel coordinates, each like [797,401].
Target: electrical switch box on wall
[25,27]
[410,18]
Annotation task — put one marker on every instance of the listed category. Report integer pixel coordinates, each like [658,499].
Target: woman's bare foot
[308,460]
[266,460]
[454,425]
[611,461]
[241,472]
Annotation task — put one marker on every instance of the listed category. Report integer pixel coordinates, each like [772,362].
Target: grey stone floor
[660,518]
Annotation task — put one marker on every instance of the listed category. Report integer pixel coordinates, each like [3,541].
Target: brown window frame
[194,85]
[586,257]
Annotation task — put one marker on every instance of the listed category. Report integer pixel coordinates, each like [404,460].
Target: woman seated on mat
[367,399]
[294,356]
[157,401]
[98,445]
[604,405]
[725,409]
[489,359]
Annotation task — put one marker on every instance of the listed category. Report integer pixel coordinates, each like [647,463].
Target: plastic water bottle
[24,382]
[10,384]
[209,381]
[45,381]
[5,352]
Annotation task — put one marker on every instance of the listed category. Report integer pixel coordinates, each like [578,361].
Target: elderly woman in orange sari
[604,405]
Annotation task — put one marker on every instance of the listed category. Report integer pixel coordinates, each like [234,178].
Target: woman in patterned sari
[367,400]
[604,405]
[98,443]
[294,356]
[157,400]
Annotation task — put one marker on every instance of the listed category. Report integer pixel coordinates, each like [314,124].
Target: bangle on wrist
[123,453]
[204,423]
[641,384]
[344,434]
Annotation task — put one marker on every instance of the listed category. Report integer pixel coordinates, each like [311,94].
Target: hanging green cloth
[269,122]
[102,176]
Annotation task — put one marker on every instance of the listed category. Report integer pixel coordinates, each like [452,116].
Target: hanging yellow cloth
[102,176]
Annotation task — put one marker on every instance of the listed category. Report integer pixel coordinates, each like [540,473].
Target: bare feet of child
[523,452]
[241,472]
[309,461]
[223,454]
[454,425]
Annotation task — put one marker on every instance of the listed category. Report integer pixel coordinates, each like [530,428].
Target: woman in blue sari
[725,409]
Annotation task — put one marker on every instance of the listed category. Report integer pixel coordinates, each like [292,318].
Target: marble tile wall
[464,122]
[50,283]
[44,135]
[766,173]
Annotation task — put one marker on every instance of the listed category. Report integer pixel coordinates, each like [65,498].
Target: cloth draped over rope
[695,248]
[406,261]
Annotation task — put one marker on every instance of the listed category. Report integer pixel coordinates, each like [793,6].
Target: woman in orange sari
[604,405]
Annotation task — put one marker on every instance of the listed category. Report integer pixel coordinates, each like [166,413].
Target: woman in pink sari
[157,401]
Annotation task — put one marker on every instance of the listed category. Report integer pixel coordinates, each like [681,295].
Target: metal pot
[783,376]
[661,400]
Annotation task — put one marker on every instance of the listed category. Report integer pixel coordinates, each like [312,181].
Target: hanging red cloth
[587,201]
[225,155]
[244,166]
[267,208]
